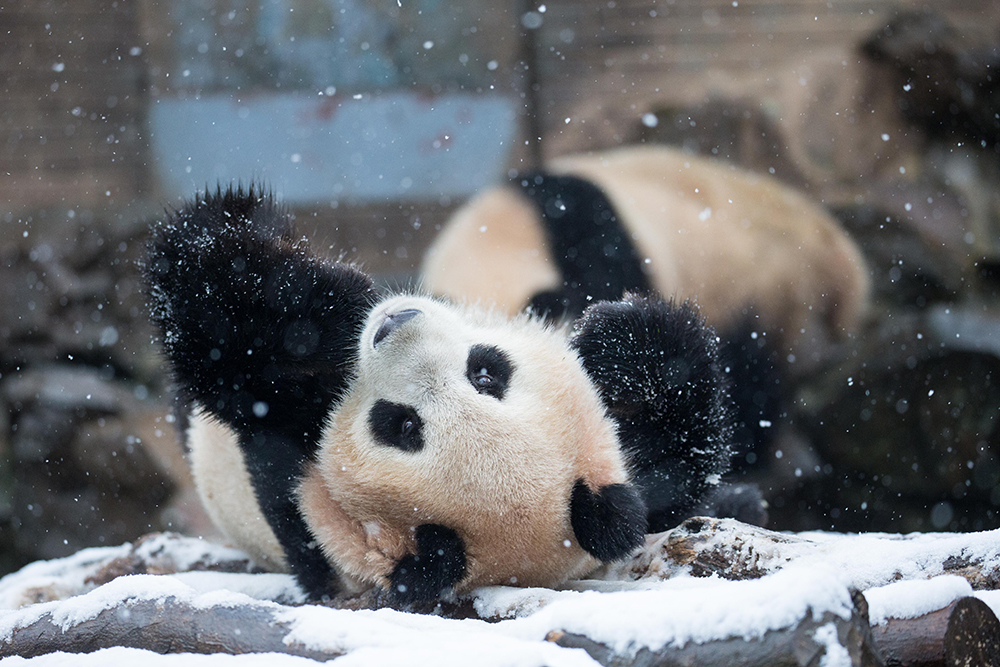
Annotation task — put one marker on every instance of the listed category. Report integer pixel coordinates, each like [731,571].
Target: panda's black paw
[646,354]
[657,367]
[437,566]
[608,524]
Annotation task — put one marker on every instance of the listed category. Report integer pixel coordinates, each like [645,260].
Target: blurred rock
[907,429]
[943,83]
[906,269]
[78,389]
[80,380]
[111,452]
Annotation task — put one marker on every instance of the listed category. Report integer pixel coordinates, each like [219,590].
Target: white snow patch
[991,598]
[508,602]
[392,637]
[185,552]
[267,586]
[61,575]
[877,559]
[688,610]
[836,655]
[909,599]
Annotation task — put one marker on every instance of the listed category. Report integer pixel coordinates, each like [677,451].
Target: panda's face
[470,421]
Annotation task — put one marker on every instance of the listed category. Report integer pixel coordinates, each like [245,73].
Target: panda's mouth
[392,322]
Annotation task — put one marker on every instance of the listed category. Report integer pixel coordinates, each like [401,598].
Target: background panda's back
[726,237]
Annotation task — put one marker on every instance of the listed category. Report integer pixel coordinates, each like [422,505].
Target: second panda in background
[761,261]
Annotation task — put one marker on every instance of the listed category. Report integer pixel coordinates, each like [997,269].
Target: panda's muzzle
[392,322]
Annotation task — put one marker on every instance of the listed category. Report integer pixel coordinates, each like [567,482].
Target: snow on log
[827,639]
[703,547]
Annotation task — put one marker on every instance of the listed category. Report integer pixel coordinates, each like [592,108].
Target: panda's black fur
[591,247]
[263,336]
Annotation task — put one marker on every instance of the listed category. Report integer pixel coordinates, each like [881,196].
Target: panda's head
[477,423]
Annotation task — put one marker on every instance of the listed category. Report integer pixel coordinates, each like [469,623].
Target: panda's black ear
[656,366]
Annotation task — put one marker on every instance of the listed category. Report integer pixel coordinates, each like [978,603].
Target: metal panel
[315,148]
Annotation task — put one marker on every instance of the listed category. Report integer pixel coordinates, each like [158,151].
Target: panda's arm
[258,330]
[657,368]
[263,336]
[438,564]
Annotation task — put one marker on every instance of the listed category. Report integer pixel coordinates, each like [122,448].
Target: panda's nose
[392,322]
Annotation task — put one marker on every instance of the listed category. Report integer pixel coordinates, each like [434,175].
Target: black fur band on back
[589,243]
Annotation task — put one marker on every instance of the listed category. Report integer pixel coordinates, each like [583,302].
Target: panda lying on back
[403,442]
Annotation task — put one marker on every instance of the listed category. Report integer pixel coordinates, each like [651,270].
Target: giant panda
[654,218]
[775,275]
[403,443]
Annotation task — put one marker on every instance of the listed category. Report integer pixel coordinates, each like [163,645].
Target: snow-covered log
[704,547]
[167,625]
[827,639]
[711,592]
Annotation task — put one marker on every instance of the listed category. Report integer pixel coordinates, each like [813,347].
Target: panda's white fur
[226,492]
[706,230]
[414,444]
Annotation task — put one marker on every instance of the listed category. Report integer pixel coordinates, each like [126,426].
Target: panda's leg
[263,335]
[656,365]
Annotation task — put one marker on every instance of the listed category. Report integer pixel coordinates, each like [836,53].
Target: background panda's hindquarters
[730,239]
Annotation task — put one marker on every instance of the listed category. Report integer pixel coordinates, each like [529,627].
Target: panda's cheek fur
[359,553]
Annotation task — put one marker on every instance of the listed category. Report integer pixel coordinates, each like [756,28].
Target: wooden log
[162,626]
[914,642]
[973,635]
[966,632]
[802,645]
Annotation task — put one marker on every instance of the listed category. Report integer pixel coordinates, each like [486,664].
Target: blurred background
[374,119]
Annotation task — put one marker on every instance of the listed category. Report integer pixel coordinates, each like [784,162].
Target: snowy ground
[901,576]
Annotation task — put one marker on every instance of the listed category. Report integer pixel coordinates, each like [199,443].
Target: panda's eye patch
[396,425]
[489,370]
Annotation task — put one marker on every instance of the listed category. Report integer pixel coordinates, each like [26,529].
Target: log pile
[964,631]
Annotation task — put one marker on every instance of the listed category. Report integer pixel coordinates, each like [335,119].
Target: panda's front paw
[610,523]
[437,566]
